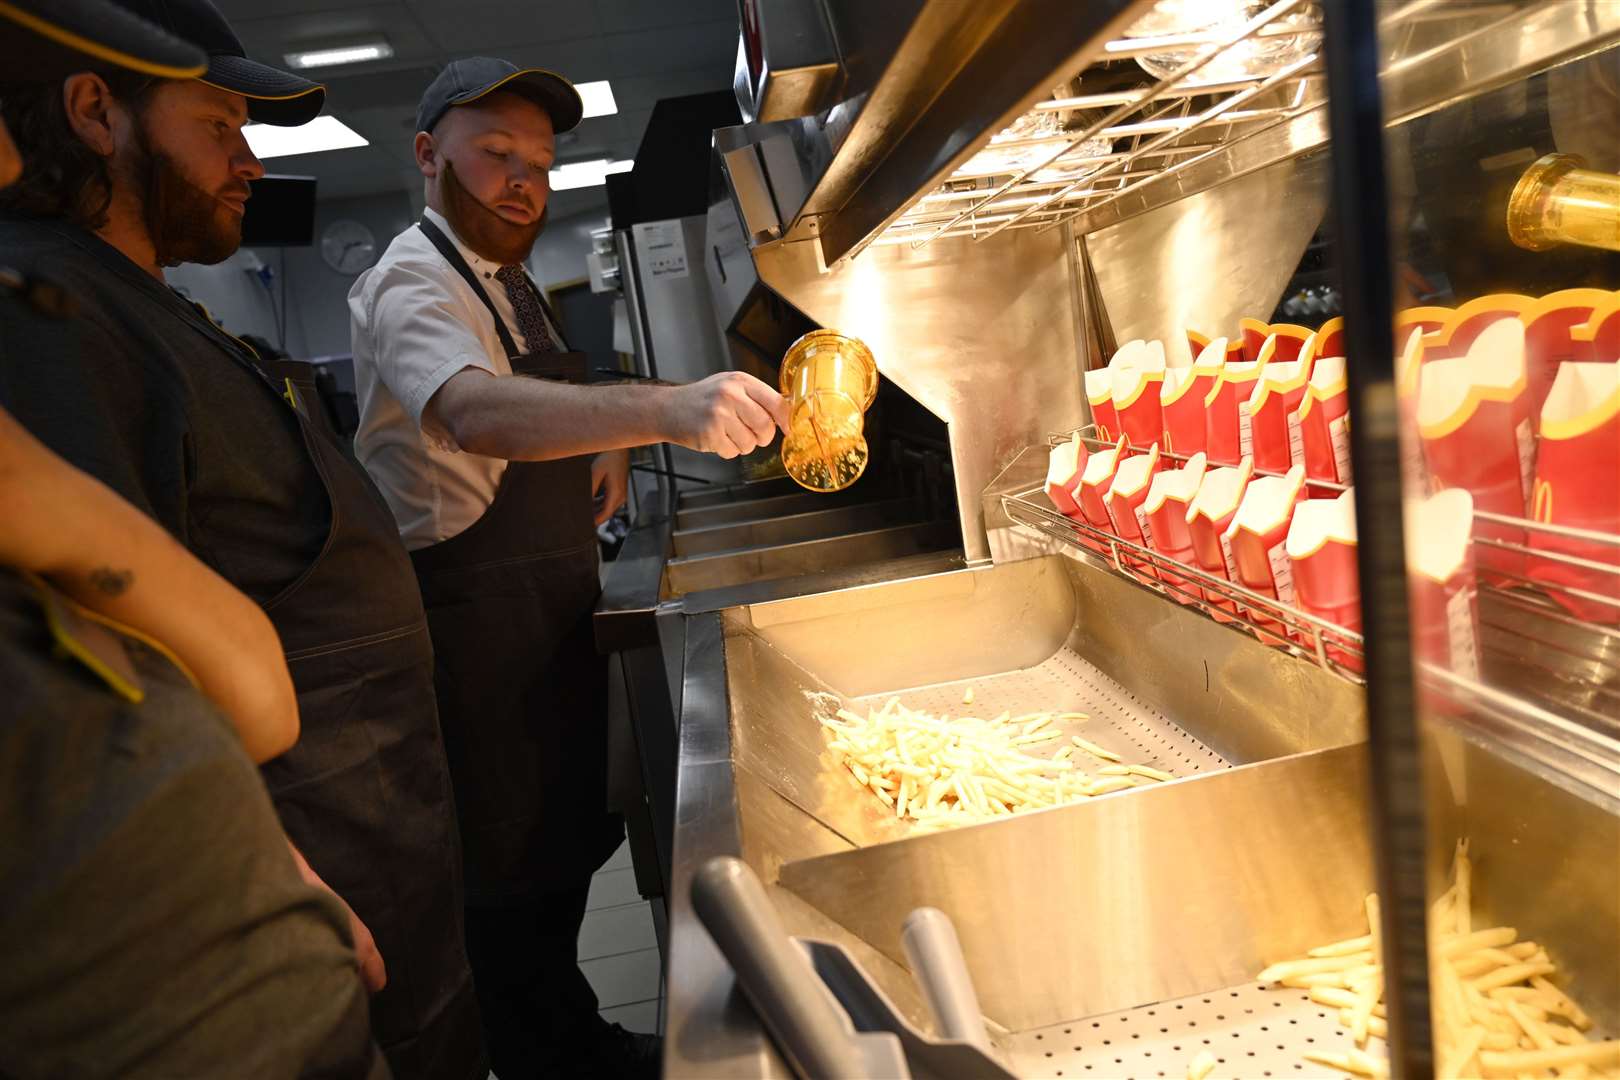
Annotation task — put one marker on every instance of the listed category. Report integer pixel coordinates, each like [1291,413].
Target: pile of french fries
[1497,1012]
[943,771]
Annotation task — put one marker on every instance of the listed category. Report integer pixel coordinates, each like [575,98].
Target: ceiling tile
[393,21]
[709,46]
[474,26]
[648,49]
[620,15]
[237,10]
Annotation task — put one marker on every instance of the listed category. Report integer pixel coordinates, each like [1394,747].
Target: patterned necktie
[531,318]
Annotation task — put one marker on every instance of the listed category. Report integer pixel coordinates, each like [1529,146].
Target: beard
[185,222]
[482,229]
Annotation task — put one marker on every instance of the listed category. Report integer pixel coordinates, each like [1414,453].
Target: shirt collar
[481,266]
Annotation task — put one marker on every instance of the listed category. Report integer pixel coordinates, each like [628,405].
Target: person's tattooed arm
[111,559]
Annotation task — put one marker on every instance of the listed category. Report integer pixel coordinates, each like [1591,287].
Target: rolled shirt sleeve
[420,335]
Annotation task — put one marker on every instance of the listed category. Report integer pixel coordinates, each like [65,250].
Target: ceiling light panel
[598,98]
[360,53]
[321,133]
[583,174]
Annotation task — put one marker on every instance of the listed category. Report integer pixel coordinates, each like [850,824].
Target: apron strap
[459,265]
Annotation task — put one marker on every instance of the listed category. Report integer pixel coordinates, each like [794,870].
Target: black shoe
[616,1054]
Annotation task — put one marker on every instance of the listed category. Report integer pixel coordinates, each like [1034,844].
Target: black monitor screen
[281,212]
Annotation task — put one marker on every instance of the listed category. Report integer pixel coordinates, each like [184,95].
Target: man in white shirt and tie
[475,427]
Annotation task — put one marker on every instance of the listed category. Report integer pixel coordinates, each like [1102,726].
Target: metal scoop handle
[776,977]
[935,954]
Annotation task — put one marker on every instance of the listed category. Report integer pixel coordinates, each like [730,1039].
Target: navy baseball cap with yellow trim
[273,96]
[464,81]
[46,40]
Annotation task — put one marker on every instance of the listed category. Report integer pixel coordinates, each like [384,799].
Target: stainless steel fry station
[1195,803]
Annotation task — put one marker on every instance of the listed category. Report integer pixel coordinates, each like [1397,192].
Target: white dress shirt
[414,322]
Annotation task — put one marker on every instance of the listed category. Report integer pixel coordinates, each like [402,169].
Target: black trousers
[537,1006]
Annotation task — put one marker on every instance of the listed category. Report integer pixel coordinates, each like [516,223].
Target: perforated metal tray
[1118,720]
[1253,1031]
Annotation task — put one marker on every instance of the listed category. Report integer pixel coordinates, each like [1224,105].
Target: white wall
[559,256]
[317,315]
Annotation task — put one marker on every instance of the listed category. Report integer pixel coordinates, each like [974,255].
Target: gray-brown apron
[522,691]
[365,793]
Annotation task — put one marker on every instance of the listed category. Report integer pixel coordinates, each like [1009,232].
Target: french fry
[1462,870]
[1366,1001]
[1601,1055]
[1335,996]
[1377,1026]
[1321,980]
[1094,750]
[1497,1013]
[1355,1062]
[946,771]
[1563,1033]
[1312,965]
[1341,948]
[1565,1007]
[1496,937]
[1201,1066]
[1455,1065]
[1538,1034]
[1507,976]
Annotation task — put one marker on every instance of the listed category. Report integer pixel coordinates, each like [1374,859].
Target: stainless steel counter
[752,783]
[1255,853]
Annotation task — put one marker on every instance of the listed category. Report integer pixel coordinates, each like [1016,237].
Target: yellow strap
[53,602]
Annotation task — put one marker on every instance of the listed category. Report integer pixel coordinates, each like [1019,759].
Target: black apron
[365,792]
[522,690]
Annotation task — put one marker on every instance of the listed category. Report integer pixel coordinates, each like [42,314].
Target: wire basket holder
[1164,129]
[1180,137]
[1519,618]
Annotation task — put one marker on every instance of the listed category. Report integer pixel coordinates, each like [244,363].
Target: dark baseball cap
[46,40]
[273,96]
[464,81]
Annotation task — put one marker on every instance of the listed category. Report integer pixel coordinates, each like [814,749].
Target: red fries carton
[1227,434]
[1322,550]
[1292,341]
[1196,343]
[1277,444]
[1169,499]
[1319,430]
[1474,421]
[1257,537]
[1330,338]
[1125,497]
[1100,393]
[1427,320]
[1138,374]
[1599,335]
[1578,485]
[1440,567]
[1209,515]
[1182,399]
[1549,338]
[1408,381]
[1063,470]
[1095,480]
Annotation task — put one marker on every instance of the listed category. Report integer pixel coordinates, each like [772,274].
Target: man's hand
[610,482]
[373,973]
[729,414]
